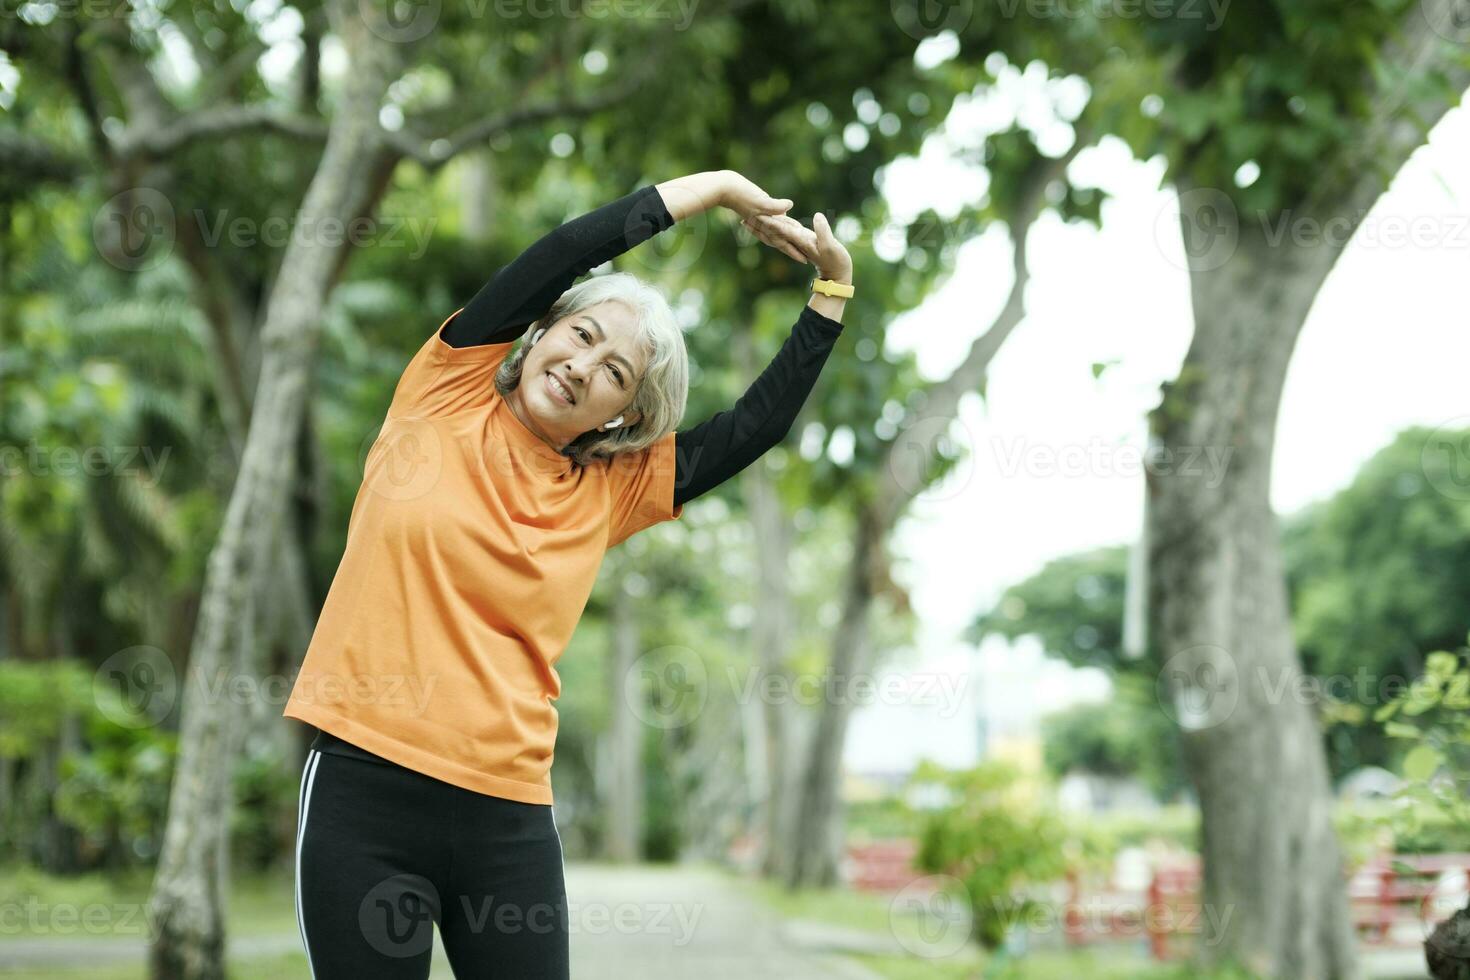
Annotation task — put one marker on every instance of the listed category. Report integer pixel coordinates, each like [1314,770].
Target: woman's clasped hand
[768,221]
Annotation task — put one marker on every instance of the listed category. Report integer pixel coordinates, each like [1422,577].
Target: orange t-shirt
[471,552]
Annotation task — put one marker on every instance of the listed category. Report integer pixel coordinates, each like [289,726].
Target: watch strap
[828,287]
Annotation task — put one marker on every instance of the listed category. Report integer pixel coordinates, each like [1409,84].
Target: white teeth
[560,387]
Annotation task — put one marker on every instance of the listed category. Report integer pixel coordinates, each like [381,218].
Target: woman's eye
[585,335]
[616,373]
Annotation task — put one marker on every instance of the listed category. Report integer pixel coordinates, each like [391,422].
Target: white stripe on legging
[308,778]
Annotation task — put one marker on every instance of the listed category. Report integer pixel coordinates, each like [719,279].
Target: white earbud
[615,422]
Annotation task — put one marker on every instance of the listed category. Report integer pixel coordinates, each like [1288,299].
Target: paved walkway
[628,923]
[682,922]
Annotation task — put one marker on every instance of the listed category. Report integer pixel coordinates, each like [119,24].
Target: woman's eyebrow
[602,338]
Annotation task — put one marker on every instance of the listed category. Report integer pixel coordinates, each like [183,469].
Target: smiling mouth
[556,387]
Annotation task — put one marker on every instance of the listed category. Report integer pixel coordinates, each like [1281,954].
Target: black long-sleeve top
[712,451]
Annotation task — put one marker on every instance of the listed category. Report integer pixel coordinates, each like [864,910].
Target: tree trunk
[901,475]
[479,196]
[771,638]
[624,785]
[189,889]
[711,789]
[1220,623]
[817,842]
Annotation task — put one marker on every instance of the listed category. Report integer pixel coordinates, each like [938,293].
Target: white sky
[1384,347]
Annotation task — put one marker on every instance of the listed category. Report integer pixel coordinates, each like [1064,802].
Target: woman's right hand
[819,247]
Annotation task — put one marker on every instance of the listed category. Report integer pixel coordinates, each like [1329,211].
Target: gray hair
[664,391]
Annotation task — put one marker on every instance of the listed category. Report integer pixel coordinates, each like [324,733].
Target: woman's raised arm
[525,289]
[522,291]
[724,444]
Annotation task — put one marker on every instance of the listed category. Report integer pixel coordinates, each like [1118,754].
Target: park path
[682,922]
[626,923]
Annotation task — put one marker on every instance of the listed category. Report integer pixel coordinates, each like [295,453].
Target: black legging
[383,851]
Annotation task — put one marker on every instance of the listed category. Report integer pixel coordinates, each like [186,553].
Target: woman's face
[596,357]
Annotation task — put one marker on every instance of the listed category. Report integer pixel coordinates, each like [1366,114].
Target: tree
[1073,605]
[1373,576]
[894,463]
[359,157]
[1124,736]
[192,878]
[1360,92]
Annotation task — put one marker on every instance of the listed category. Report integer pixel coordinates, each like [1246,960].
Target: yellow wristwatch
[827,287]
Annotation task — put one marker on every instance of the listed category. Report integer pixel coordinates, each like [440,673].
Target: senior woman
[499,480]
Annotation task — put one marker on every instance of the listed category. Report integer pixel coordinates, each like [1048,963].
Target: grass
[872,913]
[112,906]
[42,908]
[292,967]
[1034,966]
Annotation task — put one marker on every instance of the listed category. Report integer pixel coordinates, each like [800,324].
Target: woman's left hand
[747,200]
[763,214]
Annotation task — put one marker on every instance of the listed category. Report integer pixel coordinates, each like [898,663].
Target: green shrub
[993,836]
[1434,713]
[86,791]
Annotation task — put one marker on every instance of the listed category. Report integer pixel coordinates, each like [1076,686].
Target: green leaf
[1386,712]
[1422,696]
[1457,694]
[1441,664]
[1397,729]
[1422,762]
